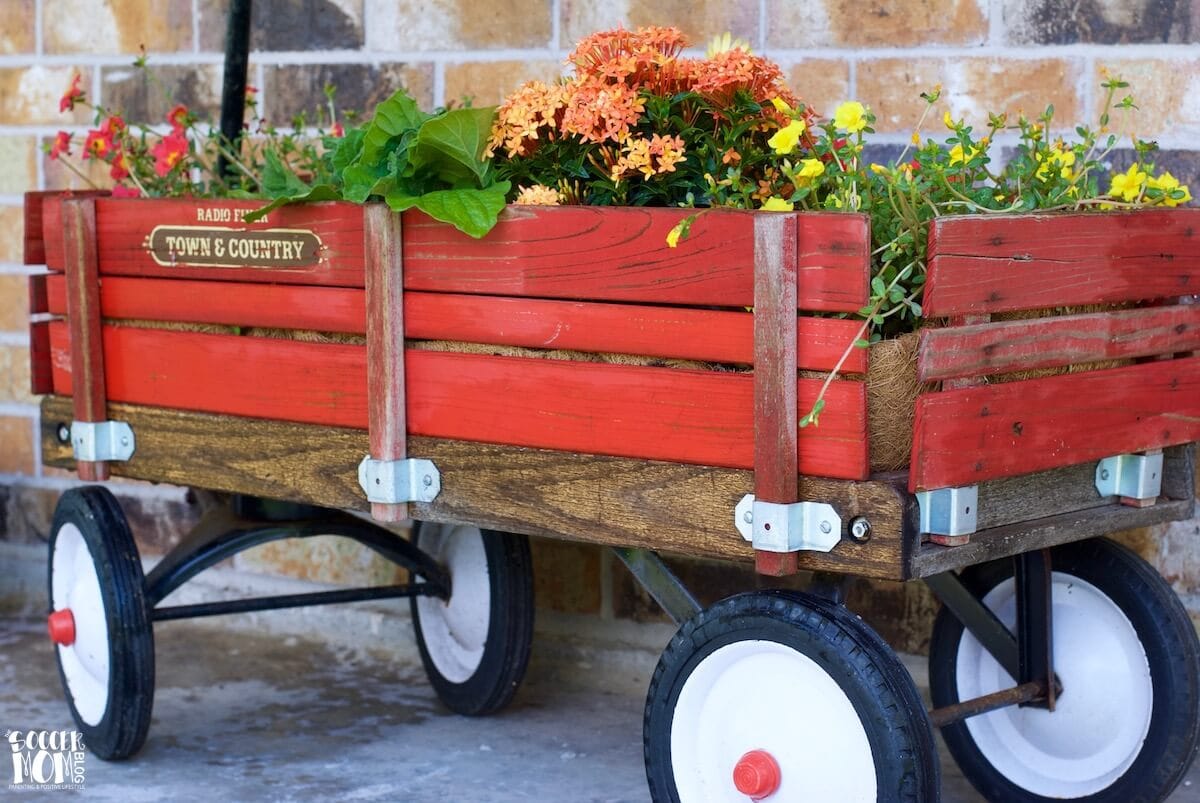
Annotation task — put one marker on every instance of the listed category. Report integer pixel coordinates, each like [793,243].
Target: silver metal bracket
[397,481]
[1131,476]
[777,527]
[949,511]
[97,441]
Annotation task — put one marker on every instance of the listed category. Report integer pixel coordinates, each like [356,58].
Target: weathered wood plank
[964,436]
[621,254]
[700,417]
[83,309]
[667,507]
[987,263]
[43,223]
[385,346]
[775,414]
[1006,346]
[41,378]
[1013,539]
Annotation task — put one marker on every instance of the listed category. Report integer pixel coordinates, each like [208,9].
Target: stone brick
[566,576]
[407,25]
[288,25]
[30,95]
[14,304]
[59,177]
[117,26]
[488,82]
[875,23]
[12,232]
[1110,22]
[14,374]
[299,89]
[140,98]
[701,20]
[1167,94]
[18,165]
[821,83]
[971,88]
[16,445]
[18,34]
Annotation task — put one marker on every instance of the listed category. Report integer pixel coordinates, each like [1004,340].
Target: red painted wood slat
[621,254]
[966,436]
[1053,342]
[38,236]
[987,264]
[705,418]
[721,336]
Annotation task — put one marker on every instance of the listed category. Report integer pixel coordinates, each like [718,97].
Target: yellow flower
[777,204]
[674,234]
[948,121]
[916,138]
[781,106]
[878,169]
[725,42]
[811,168]
[1169,185]
[850,116]
[785,139]
[960,156]
[1128,185]
[538,195]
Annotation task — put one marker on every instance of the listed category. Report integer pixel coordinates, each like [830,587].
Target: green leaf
[348,149]
[862,343]
[391,128]
[278,181]
[812,415]
[469,210]
[321,192]
[456,139]
[877,286]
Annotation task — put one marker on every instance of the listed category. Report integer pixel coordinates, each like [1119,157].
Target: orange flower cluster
[650,157]
[614,71]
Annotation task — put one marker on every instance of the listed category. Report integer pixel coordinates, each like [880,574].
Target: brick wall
[988,55]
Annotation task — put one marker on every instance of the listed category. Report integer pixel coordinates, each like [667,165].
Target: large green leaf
[471,211]
[391,129]
[456,139]
[321,192]
[278,180]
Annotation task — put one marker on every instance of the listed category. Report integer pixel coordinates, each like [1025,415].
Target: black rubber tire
[1172,651]
[122,729]
[868,671]
[509,637]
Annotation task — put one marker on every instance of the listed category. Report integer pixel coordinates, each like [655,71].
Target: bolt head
[826,527]
[63,433]
[428,480]
[860,529]
[1103,473]
[748,517]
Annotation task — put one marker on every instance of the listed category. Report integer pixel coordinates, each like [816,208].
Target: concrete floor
[247,717]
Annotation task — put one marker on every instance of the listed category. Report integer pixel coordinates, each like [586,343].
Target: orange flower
[598,111]
[633,57]
[72,96]
[720,78]
[534,111]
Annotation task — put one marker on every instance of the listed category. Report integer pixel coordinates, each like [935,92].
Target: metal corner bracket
[397,481]
[792,527]
[102,441]
[1131,476]
[949,511]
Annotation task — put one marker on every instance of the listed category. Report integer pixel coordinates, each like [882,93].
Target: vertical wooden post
[83,318]
[385,344]
[775,413]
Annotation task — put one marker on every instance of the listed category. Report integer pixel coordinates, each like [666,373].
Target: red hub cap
[62,627]
[757,775]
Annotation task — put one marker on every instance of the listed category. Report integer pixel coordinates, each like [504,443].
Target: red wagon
[1061,665]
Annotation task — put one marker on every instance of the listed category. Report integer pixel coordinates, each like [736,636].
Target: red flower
[169,151]
[72,96]
[338,131]
[120,166]
[112,128]
[177,117]
[251,90]
[62,144]
[121,191]
[97,145]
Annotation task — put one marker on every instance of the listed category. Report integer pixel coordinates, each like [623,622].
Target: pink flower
[97,145]
[62,144]
[169,151]
[177,117]
[120,166]
[72,96]
[121,191]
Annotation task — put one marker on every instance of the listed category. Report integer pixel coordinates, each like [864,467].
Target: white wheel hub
[455,630]
[762,695]
[75,586]
[1101,718]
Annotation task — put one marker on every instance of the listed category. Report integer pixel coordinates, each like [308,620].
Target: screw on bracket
[860,530]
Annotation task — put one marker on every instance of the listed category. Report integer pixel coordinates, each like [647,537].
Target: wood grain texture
[1008,346]
[83,309]
[686,510]
[833,261]
[985,263]
[964,436]
[41,378]
[385,345]
[668,332]
[621,254]
[37,206]
[700,417]
[775,414]
[124,227]
[1013,539]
